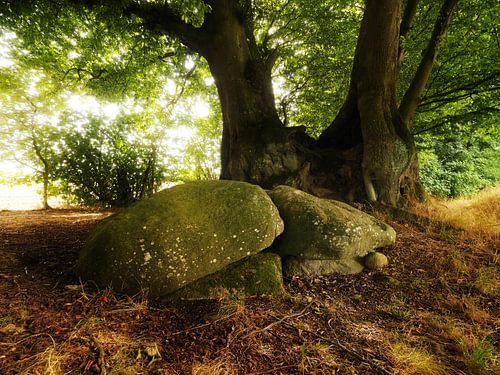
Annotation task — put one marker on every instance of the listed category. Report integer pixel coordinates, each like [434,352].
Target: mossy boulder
[258,274]
[179,235]
[332,232]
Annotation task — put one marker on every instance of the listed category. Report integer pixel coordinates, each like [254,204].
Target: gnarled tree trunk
[256,146]
[370,115]
[368,146]
[243,79]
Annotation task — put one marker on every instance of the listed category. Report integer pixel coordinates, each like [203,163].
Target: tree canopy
[267,71]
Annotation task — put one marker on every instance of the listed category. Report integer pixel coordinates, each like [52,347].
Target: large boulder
[325,236]
[179,235]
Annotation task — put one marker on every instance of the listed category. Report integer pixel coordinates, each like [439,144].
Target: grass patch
[416,360]
[479,214]
[48,362]
[397,307]
[458,262]
[488,280]
[467,306]
[482,357]
[314,355]
[219,366]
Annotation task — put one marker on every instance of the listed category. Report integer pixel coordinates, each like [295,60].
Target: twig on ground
[101,356]
[269,326]
[336,342]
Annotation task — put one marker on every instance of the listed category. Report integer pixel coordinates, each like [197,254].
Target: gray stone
[325,230]
[376,261]
[301,267]
[179,235]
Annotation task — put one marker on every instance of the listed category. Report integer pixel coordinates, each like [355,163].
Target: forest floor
[433,310]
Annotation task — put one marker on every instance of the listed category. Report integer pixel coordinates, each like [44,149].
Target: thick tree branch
[413,95]
[408,15]
[163,19]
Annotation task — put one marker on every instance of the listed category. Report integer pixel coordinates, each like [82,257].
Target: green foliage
[456,166]
[481,356]
[105,51]
[316,42]
[110,164]
[465,82]
[98,160]
[94,48]
[29,105]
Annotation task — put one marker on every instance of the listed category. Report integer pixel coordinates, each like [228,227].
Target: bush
[454,166]
[109,164]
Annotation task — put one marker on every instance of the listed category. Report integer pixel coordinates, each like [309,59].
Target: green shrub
[455,166]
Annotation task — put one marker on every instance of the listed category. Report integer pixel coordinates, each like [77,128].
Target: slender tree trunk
[45,194]
[45,172]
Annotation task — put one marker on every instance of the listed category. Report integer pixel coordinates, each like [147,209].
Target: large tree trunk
[368,146]
[243,79]
[370,114]
[256,146]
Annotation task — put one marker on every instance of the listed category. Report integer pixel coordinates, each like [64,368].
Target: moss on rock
[179,235]
[376,261]
[259,274]
[325,230]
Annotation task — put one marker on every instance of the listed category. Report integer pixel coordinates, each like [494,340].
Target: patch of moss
[259,274]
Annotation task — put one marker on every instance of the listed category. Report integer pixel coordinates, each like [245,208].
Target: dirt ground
[433,310]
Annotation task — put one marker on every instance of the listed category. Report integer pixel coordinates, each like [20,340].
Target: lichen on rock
[325,236]
[179,235]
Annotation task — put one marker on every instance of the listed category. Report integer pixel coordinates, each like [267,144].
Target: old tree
[368,141]
[367,152]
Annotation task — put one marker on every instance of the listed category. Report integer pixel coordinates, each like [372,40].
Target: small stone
[376,261]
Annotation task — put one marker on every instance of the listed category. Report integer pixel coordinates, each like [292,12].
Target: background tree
[29,117]
[110,164]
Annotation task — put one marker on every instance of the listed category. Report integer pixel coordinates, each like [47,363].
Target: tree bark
[45,196]
[370,114]
[256,146]
[408,15]
[45,172]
